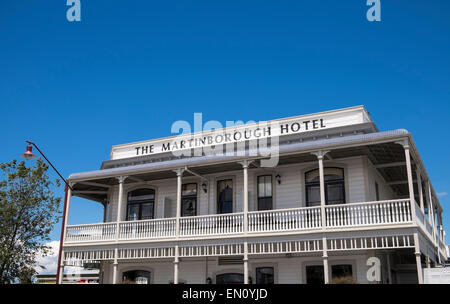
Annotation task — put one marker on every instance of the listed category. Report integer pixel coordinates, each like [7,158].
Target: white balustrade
[147,229]
[423,223]
[230,223]
[307,218]
[91,232]
[286,219]
[372,213]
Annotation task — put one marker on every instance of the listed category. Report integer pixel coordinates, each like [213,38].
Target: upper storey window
[265,201]
[189,199]
[334,186]
[141,204]
[225,196]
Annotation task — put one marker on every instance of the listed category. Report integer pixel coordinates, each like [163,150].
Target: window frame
[218,180]
[190,196]
[258,197]
[341,264]
[340,182]
[140,203]
[264,267]
[313,265]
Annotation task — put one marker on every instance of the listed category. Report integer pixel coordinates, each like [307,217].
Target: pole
[61,239]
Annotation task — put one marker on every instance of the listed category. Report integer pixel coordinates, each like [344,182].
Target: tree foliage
[28,211]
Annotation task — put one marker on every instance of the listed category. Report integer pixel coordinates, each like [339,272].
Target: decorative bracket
[121,179]
[245,163]
[320,154]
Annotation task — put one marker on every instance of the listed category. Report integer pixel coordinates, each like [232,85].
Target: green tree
[28,211]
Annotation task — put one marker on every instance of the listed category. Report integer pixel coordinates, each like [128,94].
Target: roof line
[302,147]
[360,107]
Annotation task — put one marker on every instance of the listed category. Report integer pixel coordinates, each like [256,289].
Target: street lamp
[29,155]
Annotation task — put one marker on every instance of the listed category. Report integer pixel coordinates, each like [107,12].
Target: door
[315,275]
[225,196]
[136,277]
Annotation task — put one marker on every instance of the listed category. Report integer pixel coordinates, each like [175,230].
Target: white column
[410,180]
[176,261]
[66,222]
[433,218]
[441,227]
[176,266]
[245,210]
[418,259]
[428,262]
[413,209]
[320,155]
[116,278]
[435,225]
[121,180]
[419,186]
[405,144]
[388,260]
[115,267]
[430,204]
[245,207]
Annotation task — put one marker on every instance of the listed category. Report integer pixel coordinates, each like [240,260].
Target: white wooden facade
[391,210]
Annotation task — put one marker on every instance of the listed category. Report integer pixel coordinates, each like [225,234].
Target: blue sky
[129,69]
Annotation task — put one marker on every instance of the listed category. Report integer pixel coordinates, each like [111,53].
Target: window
[315,275]
[265,192]
[341,271]
[334,186]
[189,199]
[225,196]
[136,277]
[230,278]
[265,275]
[141,203]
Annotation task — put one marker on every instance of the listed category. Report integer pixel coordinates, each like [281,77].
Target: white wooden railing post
[176,261]
[66,222]
[320,155]
[121,180]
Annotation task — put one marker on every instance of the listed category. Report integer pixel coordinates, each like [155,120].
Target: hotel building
[342,199]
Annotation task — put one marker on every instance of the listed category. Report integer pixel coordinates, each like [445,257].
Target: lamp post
[29,155]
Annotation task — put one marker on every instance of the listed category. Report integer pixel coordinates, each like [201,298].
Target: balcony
[297,220]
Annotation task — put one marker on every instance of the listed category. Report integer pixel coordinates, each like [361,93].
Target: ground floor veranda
[396,267]
[371,256]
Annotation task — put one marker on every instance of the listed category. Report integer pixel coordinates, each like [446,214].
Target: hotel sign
[244,132]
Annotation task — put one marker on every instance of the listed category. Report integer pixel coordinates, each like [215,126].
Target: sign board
[244,132]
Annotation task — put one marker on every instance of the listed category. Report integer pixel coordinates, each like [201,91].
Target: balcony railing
[284,220]
[363,214]
[147,229]
[91,232]
[259,222]
[231,223]
[423,222]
